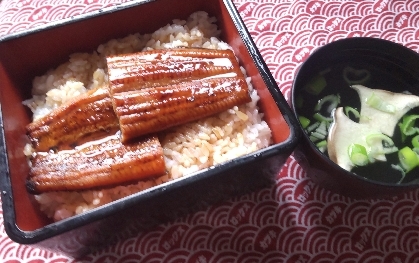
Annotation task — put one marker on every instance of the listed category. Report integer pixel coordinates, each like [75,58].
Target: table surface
[294,220]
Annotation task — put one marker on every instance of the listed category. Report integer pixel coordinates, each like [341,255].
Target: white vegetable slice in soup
[397,105]
[380,112]
[343,133]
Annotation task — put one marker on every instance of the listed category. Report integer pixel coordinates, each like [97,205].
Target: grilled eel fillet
[167,66]
[101,163]
[86,114]
[158,89]
[151,110]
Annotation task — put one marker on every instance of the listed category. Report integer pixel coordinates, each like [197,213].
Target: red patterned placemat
[293,221]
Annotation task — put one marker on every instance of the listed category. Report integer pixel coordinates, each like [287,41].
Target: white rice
[187,148]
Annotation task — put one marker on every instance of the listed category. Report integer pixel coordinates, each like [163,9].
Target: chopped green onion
[415,142]
[372,139]
[316,85]
[408,159]
[403,137]
[319,132]
[383,140]
[349,110]
[322,127]
[313,126]
[317,116]
[378,103]
[322,145]
[406,127]
[318,135]
[314,138]
[356,73]
[358,154]
[390,150]
[304,121]
[332,99]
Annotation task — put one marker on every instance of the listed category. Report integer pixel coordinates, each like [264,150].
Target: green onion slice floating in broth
[407,126]
[358,154]
[304,121]
[408,159]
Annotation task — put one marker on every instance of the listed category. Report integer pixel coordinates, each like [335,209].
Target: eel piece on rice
[65,125]
[167,66]
[155,109]
[101,163]
[159,89]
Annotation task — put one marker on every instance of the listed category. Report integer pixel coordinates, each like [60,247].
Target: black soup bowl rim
[397,53]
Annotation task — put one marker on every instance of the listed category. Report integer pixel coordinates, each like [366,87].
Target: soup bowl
[337,69]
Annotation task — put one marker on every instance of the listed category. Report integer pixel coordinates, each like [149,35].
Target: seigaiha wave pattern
[294,220]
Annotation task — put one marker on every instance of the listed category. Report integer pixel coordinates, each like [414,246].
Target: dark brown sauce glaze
[65,125]
[104,162]
[155,109]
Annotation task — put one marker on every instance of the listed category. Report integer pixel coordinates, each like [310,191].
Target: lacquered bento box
[30,53]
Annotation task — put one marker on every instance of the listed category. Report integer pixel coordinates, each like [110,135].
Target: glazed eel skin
[156,109]
[81,116]
[101,163]
[148,92]
[167,66]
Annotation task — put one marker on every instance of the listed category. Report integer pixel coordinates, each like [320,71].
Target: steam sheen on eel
[148,92]
[105,162]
